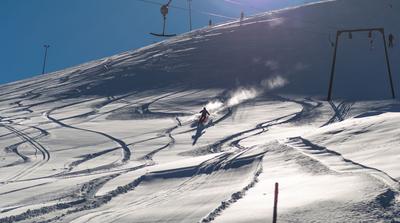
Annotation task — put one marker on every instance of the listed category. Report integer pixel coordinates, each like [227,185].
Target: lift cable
[185,9]
[329,29]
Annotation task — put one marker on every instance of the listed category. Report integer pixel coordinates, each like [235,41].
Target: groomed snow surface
[116,140]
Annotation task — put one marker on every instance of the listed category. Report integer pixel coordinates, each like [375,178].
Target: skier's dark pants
[202,119]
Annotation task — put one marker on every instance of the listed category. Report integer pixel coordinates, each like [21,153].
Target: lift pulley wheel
[164,10]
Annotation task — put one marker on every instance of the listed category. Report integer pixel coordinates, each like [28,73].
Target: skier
[204,114]
[391,40]
[241,17]
[210,23]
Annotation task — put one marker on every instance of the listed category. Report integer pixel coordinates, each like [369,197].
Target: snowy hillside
[116,140]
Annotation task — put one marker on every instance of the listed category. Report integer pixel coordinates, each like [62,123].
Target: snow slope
[115,140]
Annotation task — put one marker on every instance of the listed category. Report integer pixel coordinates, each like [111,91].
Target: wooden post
[274,218]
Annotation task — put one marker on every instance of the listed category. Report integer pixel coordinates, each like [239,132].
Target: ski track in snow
[36,145]
[206,167]
[88,201]
[234,198]
[262,127]
[121,143]
[340,112]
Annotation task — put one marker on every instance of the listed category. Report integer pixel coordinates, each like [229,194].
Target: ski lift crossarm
[381,30]
[163,35]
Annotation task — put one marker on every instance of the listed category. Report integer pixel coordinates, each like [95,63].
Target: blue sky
[83,30]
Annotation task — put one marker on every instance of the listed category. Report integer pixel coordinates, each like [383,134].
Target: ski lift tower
[350,32]
[46,46]
[190,14]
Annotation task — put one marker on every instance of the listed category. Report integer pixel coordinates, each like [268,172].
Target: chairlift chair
[164,13]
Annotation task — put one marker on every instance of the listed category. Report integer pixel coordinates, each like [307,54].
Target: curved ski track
[36,145]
